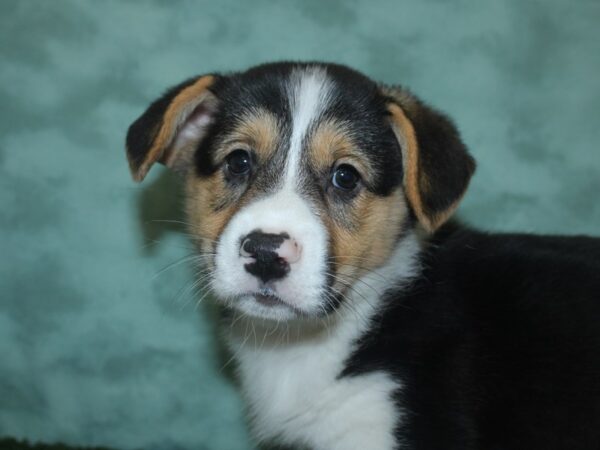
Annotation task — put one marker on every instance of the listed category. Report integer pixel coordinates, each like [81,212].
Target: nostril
[281,246]
[267,255]
[246,248]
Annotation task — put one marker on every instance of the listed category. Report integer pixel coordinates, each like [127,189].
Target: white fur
[290,375]
[308,96]
[196,119]
[289,365]
[194,129]
[301,288]
[284,211]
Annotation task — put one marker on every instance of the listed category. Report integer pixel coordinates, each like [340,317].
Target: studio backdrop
[102,339]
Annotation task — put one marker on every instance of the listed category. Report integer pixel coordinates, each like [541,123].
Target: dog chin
[268,306]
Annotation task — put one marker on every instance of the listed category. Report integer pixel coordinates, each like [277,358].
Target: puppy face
[300,178]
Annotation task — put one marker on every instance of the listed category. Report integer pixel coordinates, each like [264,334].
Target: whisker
[367,270]
[359,280]
[184,259]
[236,353]
[349,305]
[206,294]
[190,287]
[351,286]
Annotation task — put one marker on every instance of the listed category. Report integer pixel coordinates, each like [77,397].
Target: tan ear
[437,165]
[172,126]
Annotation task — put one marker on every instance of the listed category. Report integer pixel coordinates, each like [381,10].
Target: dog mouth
[267,296]
[269,300]
[269,304]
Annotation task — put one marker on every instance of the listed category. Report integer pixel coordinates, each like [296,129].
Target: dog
[359,314]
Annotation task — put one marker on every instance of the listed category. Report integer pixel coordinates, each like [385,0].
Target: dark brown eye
[239,162]
[345,177]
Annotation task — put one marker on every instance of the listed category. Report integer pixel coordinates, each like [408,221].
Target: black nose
[262,247]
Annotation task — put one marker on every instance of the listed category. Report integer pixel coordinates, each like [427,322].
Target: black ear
[172,126]
[437,165]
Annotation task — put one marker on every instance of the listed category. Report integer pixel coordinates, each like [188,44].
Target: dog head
[300,178]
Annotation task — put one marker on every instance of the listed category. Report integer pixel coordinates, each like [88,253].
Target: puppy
[359,317]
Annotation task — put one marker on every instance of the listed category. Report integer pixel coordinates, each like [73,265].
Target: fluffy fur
[391,328]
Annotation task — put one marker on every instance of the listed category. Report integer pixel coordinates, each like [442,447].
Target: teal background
[97,345]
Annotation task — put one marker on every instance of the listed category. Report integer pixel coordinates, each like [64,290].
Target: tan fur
[354,250]
[176,114]
[364,248]
[331,143]
[257,131]
[206,223]
[402,97]
[416,182]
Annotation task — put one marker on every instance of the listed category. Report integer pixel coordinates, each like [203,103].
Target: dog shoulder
[490,316]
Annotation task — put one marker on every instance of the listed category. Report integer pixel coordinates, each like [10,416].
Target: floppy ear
[437,165]
[172,126]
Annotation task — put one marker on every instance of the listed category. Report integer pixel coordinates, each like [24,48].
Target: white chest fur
[294,394]
[290,377]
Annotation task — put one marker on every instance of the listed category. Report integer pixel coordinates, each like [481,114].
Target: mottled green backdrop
[97,346]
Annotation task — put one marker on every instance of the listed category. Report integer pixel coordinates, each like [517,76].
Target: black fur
[356,100]
[444,160]
[142,132]
[239,93]
[263,247]
[496,344]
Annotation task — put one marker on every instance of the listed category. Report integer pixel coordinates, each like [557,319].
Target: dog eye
[239,162]
[345,177]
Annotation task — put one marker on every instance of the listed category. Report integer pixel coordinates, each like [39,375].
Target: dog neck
[290,371]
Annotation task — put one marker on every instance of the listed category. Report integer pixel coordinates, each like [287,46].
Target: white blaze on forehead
[309,93]
[284,211]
